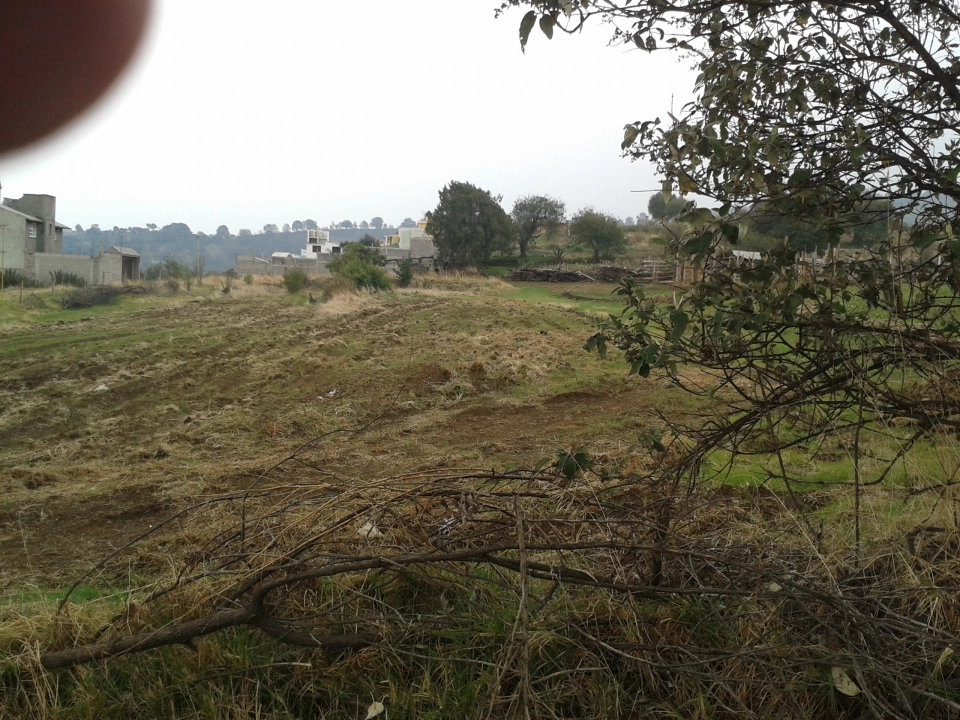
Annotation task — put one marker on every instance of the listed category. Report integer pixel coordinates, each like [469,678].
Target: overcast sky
[246,112]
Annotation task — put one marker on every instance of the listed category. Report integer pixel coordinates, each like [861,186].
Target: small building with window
[28,226]
[31,243]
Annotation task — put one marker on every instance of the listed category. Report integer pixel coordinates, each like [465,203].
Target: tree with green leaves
[223,232]
[665,208]
[842,118]
[533,215]
[869,149]
[405,272]
[468,225]
[599,232]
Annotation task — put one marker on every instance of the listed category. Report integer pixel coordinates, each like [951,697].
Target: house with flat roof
[31,242]
[27,226]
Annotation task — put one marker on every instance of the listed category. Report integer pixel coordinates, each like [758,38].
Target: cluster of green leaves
[768,124]
[599,232]
[534,215]
[294,280]
[362,265]
[14,278]
[59,277]
[666,207]
[762,227]
[468,225]
[811,124]
[405,273]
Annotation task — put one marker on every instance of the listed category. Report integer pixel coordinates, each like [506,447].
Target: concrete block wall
[249,265]
[110,269]
[40,265]
[103,270]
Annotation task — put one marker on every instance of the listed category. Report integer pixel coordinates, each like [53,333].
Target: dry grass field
[385,469]
[205,391]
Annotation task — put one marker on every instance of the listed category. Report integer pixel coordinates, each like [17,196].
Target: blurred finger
[58,57]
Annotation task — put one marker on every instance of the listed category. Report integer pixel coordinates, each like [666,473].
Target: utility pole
[199,277]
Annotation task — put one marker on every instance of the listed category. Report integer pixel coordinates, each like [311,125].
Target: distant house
[29,226]
[318,250]
[128,266]
[31,242]
[405,237]
[318,243]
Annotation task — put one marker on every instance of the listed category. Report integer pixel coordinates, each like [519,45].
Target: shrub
[13,278]
[405,273]
[248,278]
[90,296]
[60,277]
[169,268]
[362,266]
[363,276]
[333,286]
[294,280]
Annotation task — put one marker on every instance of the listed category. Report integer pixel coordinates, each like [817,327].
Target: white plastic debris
[333,393]
[101,388]
[447,526]
[843,683]
[369,530]
[376,708]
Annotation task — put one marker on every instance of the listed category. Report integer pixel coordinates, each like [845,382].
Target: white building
[318,243]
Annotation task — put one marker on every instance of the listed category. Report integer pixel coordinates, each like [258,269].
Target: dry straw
[560,592]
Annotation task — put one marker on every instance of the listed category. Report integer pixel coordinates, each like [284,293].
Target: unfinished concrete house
[31,242]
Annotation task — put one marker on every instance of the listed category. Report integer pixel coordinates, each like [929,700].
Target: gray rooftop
[7,208]
[126,252]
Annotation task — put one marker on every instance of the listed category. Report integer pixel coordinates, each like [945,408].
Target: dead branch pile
[613,274]
[650,270]
[98,295]
[549,275]
[673,595]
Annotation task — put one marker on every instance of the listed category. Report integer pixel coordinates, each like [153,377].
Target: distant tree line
[469,225]
[177,241]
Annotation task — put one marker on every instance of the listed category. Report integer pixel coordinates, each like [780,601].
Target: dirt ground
[111,422]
